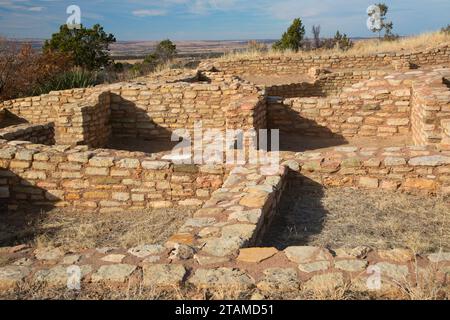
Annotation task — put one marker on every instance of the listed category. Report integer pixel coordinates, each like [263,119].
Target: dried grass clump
[365,47]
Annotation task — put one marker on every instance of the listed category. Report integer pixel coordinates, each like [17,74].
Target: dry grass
[428,289]
[75,230]
[344,217]
[365,47]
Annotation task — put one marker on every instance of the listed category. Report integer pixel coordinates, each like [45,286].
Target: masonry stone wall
[100,180]
[412,169]
[155,110]
[328,84]
[294,65]
[43,109]
[35,133]
[80,116]
[431,110]
[374,111]
[85,122]
[396,104]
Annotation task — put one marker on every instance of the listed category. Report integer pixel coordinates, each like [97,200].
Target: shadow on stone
[134,130]
[300,215]
[22,206]
[298,134]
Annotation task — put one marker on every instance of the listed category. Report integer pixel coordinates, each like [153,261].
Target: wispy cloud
[149,12]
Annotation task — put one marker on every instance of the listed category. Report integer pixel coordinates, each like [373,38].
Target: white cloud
[149,12]
[36,9]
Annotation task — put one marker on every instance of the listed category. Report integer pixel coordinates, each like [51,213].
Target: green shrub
[89,48]
[68,80]
[446,30]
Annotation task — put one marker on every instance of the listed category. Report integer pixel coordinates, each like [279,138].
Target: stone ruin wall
[300,65]
[415,101]
[100,180]
[148,110]
[65,175]
[35,133]
[328,84]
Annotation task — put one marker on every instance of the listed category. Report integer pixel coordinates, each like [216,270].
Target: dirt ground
[344,217]
[76,230]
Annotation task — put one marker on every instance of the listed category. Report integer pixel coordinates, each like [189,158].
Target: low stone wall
[236,216]
[85,122]
[148,108]
[392,105]
[43,109]
[100,180]
[35,133]
[328,84]
[156,109]
[263,271]
[268,65]
[379,112]
[412,169]
[431,109]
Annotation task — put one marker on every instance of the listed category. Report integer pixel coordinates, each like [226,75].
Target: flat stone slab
[431,161]
[59,275]
[221,247]
[11,275]
[199,222]
[48,254]
[358,252]
[208,260]
[113,273]
[245,231]
[163,275]
[251,216]
[146,250]
[114,258]
[71,259]
[394,271]
[351,265]
[256,255]
[279,279]
[222,278]
[303,255]
[181,238]
[255,199]
[314,266]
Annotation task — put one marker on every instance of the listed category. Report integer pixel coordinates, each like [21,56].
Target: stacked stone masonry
[417,101]
[280,65]
[36,133]
[327,84]
[100,180]
[414,169]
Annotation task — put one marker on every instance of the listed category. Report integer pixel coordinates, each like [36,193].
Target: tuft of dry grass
[364,47]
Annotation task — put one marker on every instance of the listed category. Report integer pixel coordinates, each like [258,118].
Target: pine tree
[292,38]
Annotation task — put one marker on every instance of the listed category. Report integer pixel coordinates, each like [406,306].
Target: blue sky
[215,19]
